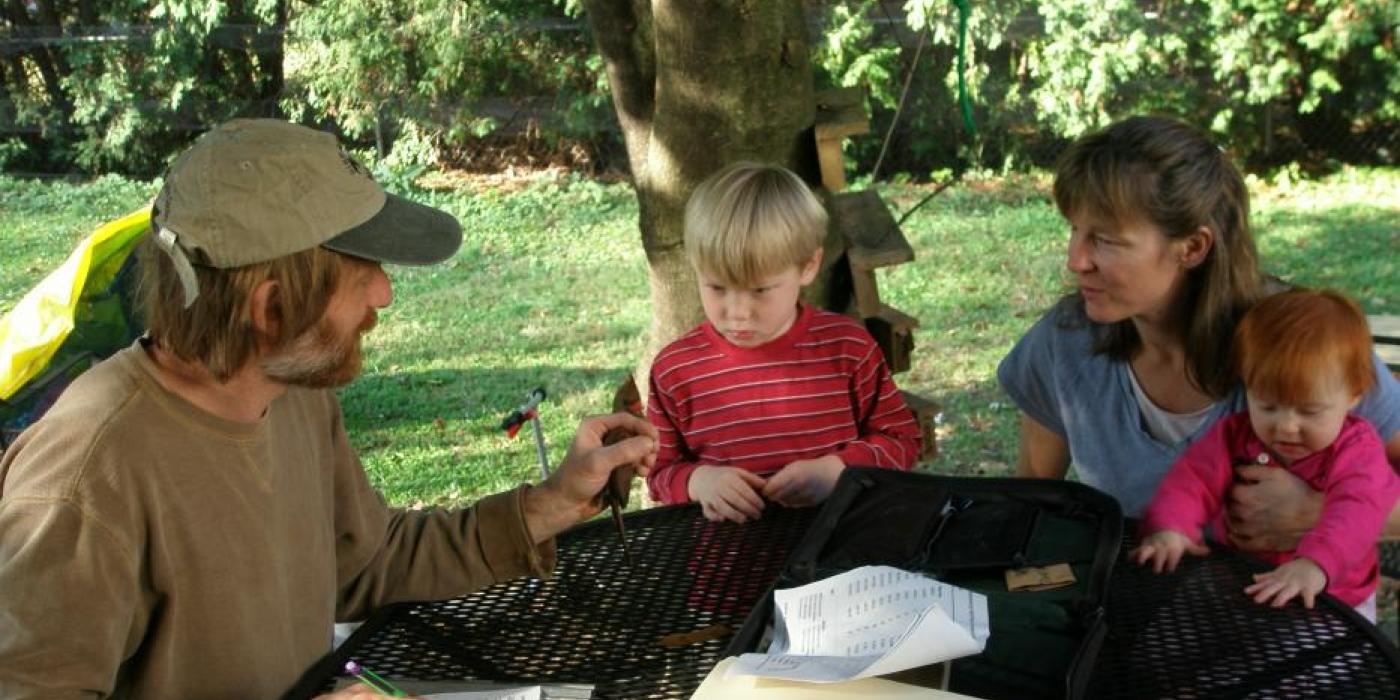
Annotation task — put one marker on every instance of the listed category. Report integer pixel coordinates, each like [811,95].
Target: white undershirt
[1165,426]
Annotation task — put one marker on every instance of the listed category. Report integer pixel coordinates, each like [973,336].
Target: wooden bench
[1385,332]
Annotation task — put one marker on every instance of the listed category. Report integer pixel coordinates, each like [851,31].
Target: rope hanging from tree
[964,9]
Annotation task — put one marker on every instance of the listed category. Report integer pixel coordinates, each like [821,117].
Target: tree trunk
[697,85]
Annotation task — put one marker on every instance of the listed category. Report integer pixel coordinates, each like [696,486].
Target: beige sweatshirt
[150,549]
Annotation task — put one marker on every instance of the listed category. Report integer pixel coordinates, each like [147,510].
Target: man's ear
[265,310]
[1195,246]
[812,267]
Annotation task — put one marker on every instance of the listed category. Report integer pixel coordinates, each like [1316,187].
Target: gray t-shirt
[1055,377]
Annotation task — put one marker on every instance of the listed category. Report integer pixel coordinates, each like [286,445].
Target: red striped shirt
[820,389]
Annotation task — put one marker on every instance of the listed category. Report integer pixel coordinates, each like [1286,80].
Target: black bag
[968,532]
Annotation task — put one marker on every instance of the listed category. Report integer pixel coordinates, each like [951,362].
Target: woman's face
[1124,271]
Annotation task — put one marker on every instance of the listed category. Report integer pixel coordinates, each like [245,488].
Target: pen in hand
[372,679]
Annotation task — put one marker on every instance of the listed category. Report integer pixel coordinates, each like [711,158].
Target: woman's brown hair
[216,331]
[1161,171]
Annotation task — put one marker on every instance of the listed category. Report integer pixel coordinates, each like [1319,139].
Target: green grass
[550,289]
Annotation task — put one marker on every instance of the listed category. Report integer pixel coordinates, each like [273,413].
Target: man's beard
[318,358]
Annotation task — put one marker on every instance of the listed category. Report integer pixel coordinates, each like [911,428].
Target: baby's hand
[726,493]
[1164,549]
[805,482]
[1302,576]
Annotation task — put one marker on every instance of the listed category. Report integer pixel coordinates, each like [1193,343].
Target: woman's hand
[727,493]
[1164,549]
[1302,576]
[1270,509]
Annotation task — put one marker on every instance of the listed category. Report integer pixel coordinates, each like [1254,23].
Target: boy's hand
[1164,549]
[727,493]
[1302,576]
[805,482]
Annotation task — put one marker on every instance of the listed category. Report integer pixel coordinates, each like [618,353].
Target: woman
[1126,371]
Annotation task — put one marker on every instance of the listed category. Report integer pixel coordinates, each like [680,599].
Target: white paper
[868,622]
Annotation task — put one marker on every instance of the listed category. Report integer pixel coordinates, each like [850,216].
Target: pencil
[372,679]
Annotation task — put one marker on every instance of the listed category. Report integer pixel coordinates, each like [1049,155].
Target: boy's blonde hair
[752,220]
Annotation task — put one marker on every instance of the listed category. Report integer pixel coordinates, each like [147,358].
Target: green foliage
[380,68]
[523,303]
[127,84]
[119,97]
[1265,75]
[122,85]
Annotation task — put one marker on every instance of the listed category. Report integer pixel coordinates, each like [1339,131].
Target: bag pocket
[986,534]
[889,528]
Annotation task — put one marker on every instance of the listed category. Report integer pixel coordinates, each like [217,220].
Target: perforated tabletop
[597,621]
[1194,634]
[1188,635]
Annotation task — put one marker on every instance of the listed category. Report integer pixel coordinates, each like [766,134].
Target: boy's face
[1292,432]
[749,316]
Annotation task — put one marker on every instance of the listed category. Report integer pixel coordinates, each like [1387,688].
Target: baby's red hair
[1286,341]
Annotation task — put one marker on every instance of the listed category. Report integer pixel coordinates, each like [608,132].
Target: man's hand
[1270,509]
[1302,576]
[805,482]
[727,493]
[569,495]
[1164,549]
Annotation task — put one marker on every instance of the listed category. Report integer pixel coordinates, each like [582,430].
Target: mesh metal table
[1192,634]
[597,621]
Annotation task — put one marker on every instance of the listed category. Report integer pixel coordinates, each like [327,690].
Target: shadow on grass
[978,434]
[402,400]
[1348,247]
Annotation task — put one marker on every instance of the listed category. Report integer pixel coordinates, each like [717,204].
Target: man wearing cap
[189,519]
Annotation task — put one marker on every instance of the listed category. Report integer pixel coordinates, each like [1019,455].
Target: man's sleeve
[437,553]
[69,601]
[386,555]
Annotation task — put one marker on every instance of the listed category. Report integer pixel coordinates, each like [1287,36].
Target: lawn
[550,289]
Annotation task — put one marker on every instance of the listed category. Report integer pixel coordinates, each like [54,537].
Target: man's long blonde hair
[216,331]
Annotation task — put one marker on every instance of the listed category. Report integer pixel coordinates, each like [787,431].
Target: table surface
[1189,634]
[598,620]
[1195,634]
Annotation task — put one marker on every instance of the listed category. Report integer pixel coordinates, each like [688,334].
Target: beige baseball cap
[253,190]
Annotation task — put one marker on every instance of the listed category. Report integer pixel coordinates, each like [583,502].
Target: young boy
[769,398]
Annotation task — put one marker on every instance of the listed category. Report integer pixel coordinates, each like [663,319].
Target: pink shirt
[822,388]
[1358,485]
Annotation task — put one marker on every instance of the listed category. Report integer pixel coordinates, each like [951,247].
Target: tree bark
[697,85]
